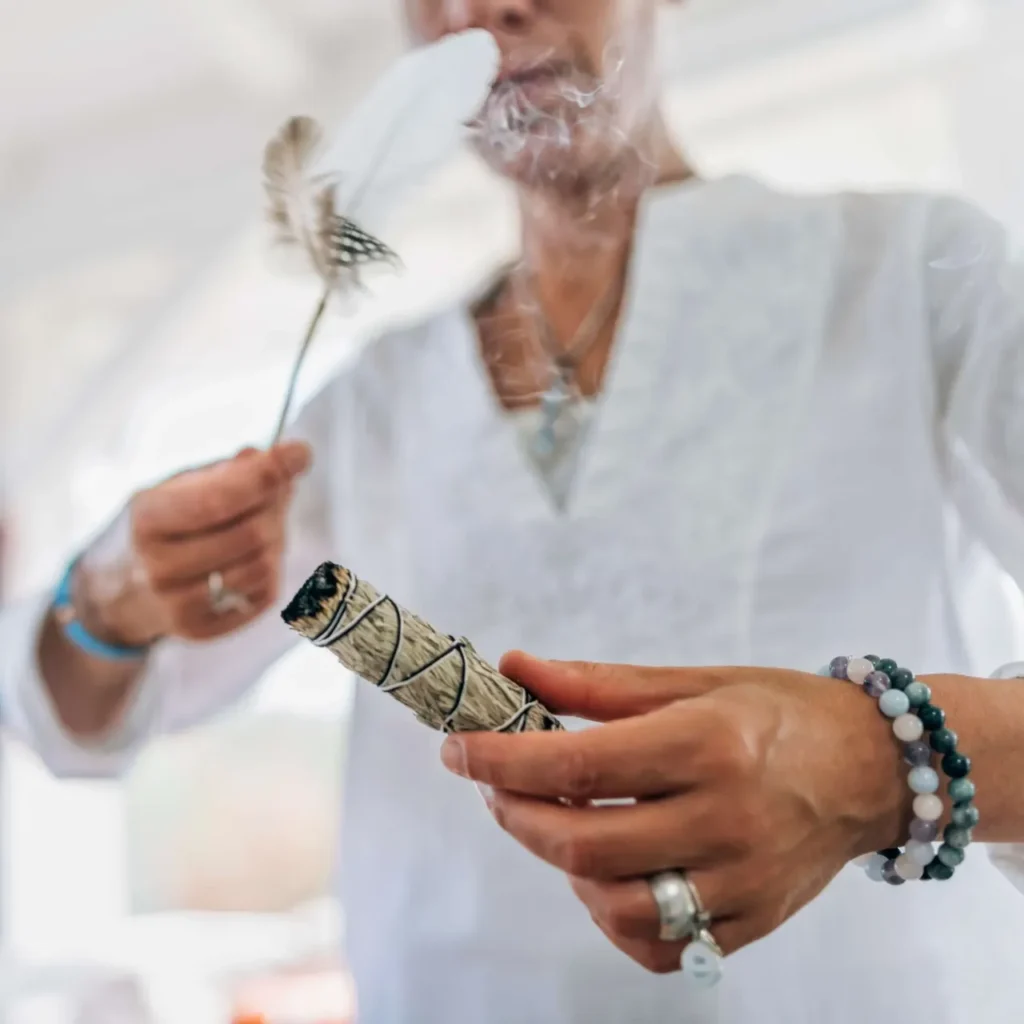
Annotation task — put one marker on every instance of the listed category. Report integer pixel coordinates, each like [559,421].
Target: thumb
[604,693]
[293,458]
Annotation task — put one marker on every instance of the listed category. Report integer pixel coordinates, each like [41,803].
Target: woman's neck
[577,247]
[576,251]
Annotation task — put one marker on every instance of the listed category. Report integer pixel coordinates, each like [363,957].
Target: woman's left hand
[760,784]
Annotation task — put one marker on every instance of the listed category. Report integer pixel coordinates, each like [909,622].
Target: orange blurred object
[320,993]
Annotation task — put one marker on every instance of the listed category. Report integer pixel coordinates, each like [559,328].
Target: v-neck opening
[603,402]
[510,420]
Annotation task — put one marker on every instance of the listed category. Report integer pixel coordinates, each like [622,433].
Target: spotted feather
[352,247]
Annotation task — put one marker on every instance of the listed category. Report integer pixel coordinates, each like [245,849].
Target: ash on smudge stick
[319,588]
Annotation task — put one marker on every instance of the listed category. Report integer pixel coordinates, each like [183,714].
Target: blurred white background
[142,328]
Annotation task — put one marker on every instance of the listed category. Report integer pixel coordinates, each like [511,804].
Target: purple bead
[923,831]
[890,874]
[917,753]
[876,684]
[838,666]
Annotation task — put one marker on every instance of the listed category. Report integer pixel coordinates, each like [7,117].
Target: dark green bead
[956,766]
[892,853]
[918,694]
[958,838]
[901,678]
[939,871]
[965,816]
[961,791]
[943,741]
[874,659]
[888,666]
[931,717]
[950,856]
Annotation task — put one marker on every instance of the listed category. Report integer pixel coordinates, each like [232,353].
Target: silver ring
[223,600]
[677,911]
[682,916]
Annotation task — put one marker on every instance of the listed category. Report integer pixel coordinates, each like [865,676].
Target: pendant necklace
[562,393]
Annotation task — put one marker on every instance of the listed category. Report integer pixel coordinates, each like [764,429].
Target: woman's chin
[545,165]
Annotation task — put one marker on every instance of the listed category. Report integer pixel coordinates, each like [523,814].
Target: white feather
[410,122]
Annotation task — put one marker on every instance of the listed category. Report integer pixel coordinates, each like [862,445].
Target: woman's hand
[761,784]
[150,578]
[148,575]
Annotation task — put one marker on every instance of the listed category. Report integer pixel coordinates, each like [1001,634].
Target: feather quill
[412,120]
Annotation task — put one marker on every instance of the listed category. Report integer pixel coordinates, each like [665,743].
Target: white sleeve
[976,297]
[183,683]
[976,303]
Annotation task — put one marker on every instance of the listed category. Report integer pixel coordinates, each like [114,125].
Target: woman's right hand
[150,578]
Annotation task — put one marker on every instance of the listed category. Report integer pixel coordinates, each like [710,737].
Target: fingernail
[486,793]
[453,756]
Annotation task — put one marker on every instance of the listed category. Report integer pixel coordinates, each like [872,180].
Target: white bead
[928,807]
[864,860]
[920,853]
[923,780]
[702,965]
[908,728]
[908,869]
[858,670]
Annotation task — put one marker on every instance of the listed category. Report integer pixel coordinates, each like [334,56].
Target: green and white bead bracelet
[907,703]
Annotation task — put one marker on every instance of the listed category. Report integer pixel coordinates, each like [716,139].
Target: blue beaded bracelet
[907,702]
[64,611]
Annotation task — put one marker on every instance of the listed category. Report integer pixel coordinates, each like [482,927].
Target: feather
[292,207]
[412,120]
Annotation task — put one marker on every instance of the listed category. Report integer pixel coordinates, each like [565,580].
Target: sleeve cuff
[28,711]
[1009,859]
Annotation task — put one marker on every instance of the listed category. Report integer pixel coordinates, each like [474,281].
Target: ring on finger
[682,916]
[222,598]
[702,959]
[677,911]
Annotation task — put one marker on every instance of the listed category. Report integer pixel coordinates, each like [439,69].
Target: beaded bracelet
[907,702]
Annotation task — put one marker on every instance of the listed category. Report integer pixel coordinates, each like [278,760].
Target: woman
[702,423]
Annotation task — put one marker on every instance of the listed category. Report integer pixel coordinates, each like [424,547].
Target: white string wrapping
[441,679]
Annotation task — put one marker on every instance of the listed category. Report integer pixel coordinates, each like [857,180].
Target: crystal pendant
[555,444]
[702,962]
[553,405]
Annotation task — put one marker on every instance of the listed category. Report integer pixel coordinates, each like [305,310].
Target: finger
[608,843]
[173,563]
[628,908]
[666,957]
[293,457]
[198,624]
[656,957]
[251,578]
[218,495]
[192,611]
[602,693]
[645,756]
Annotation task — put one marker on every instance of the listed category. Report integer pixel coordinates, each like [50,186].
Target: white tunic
[813,418]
